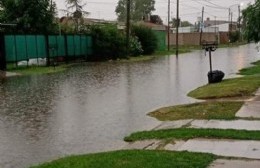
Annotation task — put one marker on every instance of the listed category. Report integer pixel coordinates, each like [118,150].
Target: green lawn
[237,87]
[251,70]
[134,159]
[204,110]
[190,133]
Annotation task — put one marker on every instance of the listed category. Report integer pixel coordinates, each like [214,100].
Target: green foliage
[135,46]
[234,36]
[174,23]
[30,16]
[251,19]
[134,159]
[147,38]
[108,43]
[139,9]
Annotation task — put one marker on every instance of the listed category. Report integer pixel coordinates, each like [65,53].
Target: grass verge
[251,70]
[190,133]
[204,110]
[133,159]
[237,87]
[38,70]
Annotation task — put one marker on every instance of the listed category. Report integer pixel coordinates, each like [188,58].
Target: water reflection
[93,106]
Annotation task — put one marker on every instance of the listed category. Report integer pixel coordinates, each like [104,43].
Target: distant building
[208,22]
[221,25]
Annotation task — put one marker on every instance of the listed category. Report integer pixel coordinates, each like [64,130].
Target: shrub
[234,36]
[135,46]
[147,38]
[108,43]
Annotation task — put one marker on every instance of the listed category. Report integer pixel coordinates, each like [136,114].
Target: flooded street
[93,106]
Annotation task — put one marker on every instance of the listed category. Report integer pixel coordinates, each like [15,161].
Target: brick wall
[192,38]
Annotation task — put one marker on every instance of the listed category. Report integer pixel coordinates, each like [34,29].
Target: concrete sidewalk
[246,149]
[216,124]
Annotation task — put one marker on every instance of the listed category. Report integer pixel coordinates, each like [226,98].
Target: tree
[156,19]
[250,16]
[30,16]
[182,23]
[77,14]
[139,9]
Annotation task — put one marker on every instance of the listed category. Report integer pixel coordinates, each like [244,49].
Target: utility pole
[169,8]
[127,27]
[239,23]
[201,24]
[177,29]
[231,21]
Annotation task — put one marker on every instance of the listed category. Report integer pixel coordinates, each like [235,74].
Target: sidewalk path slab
[221,124]
[173,124]
[250,109]
[223,163]
[147,144]
[216,124]
[229,148]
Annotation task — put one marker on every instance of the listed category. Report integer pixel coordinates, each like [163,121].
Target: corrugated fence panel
[31,46]
[21,48]
[77,42]
[61,45]
[161,37]
[41,46]
[84,45]
[10,48]
[70,44]
[53,46]
[89,45]
[24,47]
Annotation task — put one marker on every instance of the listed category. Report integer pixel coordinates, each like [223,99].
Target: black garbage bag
[215,76]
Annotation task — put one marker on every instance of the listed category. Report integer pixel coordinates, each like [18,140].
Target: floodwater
[91,107]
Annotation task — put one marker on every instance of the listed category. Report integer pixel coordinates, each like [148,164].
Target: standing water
[91,107]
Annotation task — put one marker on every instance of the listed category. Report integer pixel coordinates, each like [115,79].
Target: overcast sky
[189,9]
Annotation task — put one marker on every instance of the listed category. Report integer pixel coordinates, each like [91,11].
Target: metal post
[239,22]
[127,27]
[210,60]
[47,50]
[201,29]
[2,53]
[177,29]
[169,8]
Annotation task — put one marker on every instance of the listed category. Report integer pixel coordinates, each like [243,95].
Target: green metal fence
[25,47]
[161,37]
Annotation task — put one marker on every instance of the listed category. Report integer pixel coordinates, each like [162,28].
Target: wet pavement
[251,108]
[92,107]
[222,163]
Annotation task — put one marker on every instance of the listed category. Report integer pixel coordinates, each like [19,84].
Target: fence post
[66,49]
[47,50]
[2,53]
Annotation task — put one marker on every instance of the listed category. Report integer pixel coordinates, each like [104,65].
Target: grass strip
[204,110]
[133,159]
[38,70]
[251,70]
[190,133]
[236,87]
